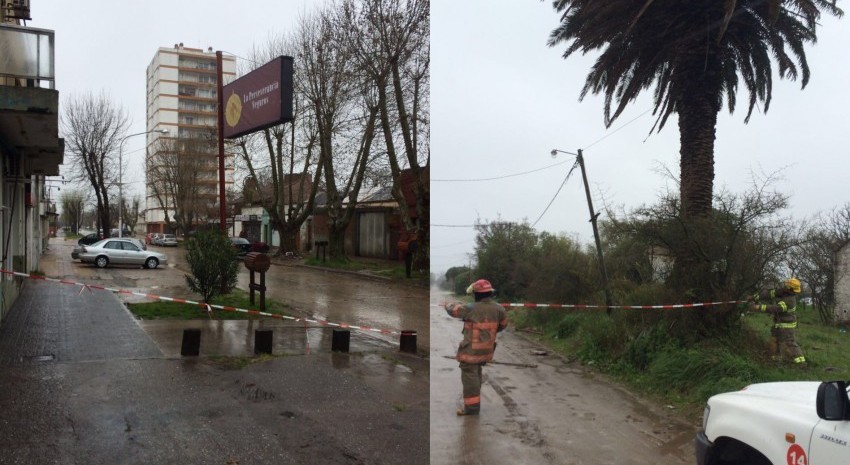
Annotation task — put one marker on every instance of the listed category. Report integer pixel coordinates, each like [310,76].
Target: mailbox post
[259,263]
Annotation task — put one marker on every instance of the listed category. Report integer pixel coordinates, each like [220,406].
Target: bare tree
[390,41]
[179,179]
[93,127]
[815,258]
[132,212]
[279,177]
[345,111]
[73,204]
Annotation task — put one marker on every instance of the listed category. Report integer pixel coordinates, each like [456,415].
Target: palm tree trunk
[697,124]
[697,110]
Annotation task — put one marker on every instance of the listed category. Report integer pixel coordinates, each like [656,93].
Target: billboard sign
[259,99]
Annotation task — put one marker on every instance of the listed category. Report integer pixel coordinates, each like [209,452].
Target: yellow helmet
[793,284]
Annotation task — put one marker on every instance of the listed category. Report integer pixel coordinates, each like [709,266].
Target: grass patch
[161,310]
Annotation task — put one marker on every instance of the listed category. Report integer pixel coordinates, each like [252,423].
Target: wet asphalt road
[314,293]
[343,298]
[557,413]
[83,383]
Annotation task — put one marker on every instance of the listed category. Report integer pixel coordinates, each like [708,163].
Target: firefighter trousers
[471,377]
[785,341]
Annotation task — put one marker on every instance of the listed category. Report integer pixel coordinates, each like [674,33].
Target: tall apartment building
[182,98]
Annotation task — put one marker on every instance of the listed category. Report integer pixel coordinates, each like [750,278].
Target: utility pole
[593,216]
[222,208]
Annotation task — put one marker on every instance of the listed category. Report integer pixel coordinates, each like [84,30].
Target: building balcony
[28,60]
[29,105]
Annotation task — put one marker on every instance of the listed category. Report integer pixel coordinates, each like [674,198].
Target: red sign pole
[220,92]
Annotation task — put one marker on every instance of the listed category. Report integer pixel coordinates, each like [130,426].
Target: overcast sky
[502,100]
[106,45]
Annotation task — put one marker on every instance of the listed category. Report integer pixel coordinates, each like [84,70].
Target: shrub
[213,263]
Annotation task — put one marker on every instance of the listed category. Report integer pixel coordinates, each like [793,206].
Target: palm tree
[694,53]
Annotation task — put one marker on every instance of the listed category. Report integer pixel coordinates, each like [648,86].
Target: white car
[120,251]
[168,240]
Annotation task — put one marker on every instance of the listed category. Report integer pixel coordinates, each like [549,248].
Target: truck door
[830,443]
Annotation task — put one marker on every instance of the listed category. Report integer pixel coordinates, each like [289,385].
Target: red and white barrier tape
[633,307]
[84,286]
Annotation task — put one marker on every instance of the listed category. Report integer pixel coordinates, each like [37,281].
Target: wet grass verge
[384,268]
[162,310]
[648,361]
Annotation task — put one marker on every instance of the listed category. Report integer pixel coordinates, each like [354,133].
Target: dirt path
[554,413]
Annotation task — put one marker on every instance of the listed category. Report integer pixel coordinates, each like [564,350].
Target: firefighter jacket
[481,321]
[779,303]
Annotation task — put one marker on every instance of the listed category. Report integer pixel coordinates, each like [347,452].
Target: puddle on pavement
[236,337]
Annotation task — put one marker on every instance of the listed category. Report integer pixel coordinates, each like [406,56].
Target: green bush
[640,351]
[461,282]
[567,326]
[212,261]
[601,339]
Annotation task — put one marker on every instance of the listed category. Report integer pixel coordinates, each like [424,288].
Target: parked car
[149,238]
[75,254]
[121,251]
[89,239]
[242,246]
[168,240]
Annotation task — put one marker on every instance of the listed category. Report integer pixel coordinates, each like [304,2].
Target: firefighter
[781,302]
[481,321]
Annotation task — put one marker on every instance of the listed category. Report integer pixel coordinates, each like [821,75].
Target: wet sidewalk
[56,322]
[83,383]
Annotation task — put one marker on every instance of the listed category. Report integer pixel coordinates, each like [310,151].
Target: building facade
[182,179]
[30,146]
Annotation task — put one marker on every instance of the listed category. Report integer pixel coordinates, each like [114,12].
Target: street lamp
[121,177]
[593,216]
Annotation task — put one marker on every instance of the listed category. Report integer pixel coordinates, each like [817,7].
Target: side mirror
[832,401]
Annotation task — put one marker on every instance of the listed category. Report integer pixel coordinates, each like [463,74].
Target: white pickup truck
[788,423]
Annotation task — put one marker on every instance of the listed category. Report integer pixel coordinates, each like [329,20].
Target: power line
[451,245]
[556,194]
[563,183]
[498,177]
[615,131]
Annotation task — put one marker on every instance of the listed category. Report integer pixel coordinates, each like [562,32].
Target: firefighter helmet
[793,284]
[482,285]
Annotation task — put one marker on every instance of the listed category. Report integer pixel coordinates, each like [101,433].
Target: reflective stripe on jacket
[782,307]
[481,321]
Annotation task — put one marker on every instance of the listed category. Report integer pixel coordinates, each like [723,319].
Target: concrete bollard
[191,346]
[340,341]
[263,341]
[407,342]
